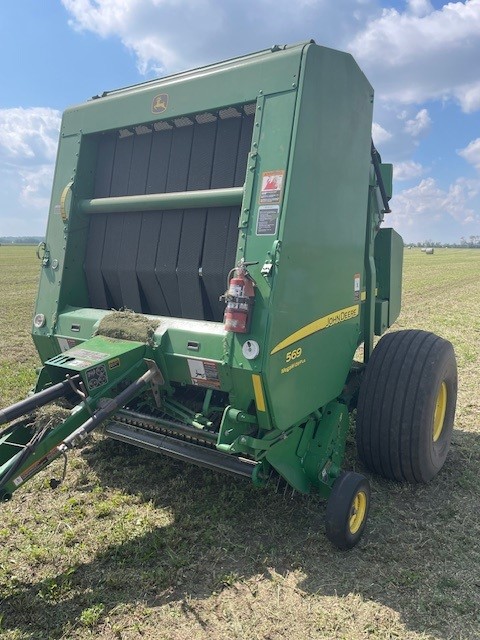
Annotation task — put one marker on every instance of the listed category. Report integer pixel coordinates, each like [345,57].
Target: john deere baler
[213,261]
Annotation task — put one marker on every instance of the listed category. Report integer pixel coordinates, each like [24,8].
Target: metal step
[186,451]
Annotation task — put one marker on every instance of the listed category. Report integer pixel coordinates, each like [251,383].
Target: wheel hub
[440,409]
[357,513]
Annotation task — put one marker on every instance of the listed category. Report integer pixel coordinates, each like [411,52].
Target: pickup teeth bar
[179,449]
[166,426]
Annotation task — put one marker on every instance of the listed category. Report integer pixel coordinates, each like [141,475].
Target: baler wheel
[406,406]
[347,510]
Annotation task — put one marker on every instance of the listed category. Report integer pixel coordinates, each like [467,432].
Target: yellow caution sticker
[258,390]
[318,325]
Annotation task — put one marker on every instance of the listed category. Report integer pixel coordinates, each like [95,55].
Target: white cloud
[469,97]
[29,134]
[422,53]
[429,200]
[419,8]
[168,35]
[410,56]
[28,144]
[36,186]
[419,124]
[407,170]
[379,134]
[471,153]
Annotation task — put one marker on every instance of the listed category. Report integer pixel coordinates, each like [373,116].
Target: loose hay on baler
[232,215]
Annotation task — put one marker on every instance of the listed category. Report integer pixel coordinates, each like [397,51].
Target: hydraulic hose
[36,401]
[378,174]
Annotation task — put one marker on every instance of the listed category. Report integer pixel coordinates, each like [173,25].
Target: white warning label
[204,373]
[356,287]
[272,186]
[267,221]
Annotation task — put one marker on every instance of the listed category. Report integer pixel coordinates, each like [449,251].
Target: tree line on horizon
[472,242]
[21,239]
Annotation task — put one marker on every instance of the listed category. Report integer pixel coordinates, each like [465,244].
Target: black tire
[347,510]
[410,381]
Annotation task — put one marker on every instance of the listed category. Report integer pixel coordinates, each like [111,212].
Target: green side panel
[284,459]
[381,317]
[389,263]
[227,83]
[100,361]
[53,266]
[387,177]
[322,235]
[72,327]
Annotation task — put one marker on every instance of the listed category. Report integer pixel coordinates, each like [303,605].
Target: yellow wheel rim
[440,409]
[357,512]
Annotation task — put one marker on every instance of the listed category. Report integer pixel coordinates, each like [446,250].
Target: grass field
[137,546]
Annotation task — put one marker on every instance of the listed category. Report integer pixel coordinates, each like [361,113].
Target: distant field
[137,546]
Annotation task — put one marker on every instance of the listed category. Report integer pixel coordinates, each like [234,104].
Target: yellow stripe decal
[322,323]
[257,388]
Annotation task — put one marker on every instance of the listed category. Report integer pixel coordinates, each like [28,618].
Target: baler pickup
[236,212]
[26,447]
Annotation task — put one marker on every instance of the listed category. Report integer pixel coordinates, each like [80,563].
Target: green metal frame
[325,279]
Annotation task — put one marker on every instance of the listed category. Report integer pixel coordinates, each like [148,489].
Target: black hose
[34,402]
[106,411]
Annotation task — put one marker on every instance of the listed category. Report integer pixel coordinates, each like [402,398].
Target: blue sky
[421,56]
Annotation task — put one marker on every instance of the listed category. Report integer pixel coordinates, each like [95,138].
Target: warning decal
[204,373]
[97,377]
[267,221]
[92,356]
[272,186]
[356,287]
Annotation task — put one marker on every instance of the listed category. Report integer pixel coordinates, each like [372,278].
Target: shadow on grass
[419,556]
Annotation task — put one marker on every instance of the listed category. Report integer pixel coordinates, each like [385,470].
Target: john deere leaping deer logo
[160,103]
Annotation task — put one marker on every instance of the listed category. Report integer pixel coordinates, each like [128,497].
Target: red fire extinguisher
[239,297]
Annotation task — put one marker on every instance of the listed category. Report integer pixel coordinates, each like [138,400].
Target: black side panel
[98,223]
[193,229]
[171,263]
[132,223]
[218,219]
[152,224]
[115,221]
[169,241]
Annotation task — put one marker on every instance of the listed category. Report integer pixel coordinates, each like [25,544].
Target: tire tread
[392,401]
